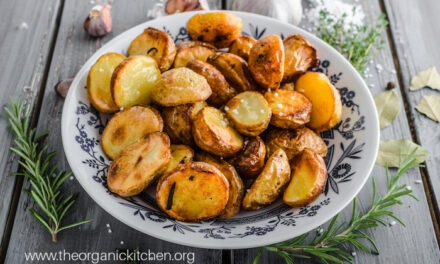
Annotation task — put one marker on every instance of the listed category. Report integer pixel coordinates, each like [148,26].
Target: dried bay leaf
[430,106]
[388,107]
[391,152]
[427,78]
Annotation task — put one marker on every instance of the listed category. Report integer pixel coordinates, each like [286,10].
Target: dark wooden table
[54,46]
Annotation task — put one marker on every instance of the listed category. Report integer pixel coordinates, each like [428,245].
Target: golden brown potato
[191,43]
[193,50]
[269,184]
[290,86]
[181,86]
[235,70]
[157,44]
[242,46]
[98,82]
[290,109]
[139,165]
[221,91]
[326,101]
[236,187]
[293,142]
[214,134]
[217,28]
[309,175]
[193,192]
[250,160]
[300,56]
[249,112]
[130,88]
[128,126]
[266,62]
[180,154]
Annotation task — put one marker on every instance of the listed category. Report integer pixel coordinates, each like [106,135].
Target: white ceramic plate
[352,149]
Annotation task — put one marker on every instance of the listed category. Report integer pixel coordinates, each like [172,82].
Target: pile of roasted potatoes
[219,123]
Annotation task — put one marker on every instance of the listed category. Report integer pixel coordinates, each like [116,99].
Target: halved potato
[180,154]
[133,81]
[249,112]
[242,46]
[214,134]
[98,82]
[181,86]
[290,109]
[309,175]
[250,160]
[128,126]
[139,165]
[193,50]
[157,44]
[193,192]
[300,56]
[266,62]
[326,101]
[269,184]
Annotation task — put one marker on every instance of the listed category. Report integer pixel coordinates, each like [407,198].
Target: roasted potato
[309,175]
[235,70]
[293,142]
[236,187]
[222,92]
[326,101]
[242,46]
[269,184]
[139,165]
[290,86]
[266,62]
[249,112]
[300,56]
[250,160]
[290,109]
[180,154]
[178,122]
[128,126]
[193,50]
[98,82]
[157,44]
[217,28]
[181,86]
[133,81]
[193,192]
[214,134]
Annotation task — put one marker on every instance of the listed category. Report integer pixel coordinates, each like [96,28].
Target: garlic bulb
[99,21]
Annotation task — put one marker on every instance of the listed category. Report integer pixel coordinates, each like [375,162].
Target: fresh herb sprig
[37,166]
[333,245]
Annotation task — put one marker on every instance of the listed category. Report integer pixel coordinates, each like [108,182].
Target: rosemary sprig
[334,243]
[37,166]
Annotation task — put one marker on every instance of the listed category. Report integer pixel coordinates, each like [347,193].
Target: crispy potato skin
[201,192]
[266,62]
[139,165]
[180,154]
[269,184]
[309,175]
[249,162]
[193,50]
[217,28]
[293,142]
[300,56]
[222,92]
[290,109]
[242,46]
[128,126]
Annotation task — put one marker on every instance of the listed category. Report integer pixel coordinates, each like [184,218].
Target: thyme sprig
[45,179]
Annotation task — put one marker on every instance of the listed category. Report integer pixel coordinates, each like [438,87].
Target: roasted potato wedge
[217,28]
[242,46]
[249,162]
[214,134]
[99,79]
[325,98]
[290,109]
[193,192]
[157,44]
[249,112]
[309,175]
[300,56]
[181,86]
[269,184]
[180,154]
[193,50]
[236,187]
[128,126]
[293,142]
[139,165]
[222,92]
[266,62]
[133,81]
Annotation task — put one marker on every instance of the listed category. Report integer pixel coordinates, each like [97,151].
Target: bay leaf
[388,107]
[391,152]
[427,78]
[430,106]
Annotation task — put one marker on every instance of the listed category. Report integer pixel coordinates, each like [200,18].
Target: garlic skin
[62,87]
[178,6]
[99,21]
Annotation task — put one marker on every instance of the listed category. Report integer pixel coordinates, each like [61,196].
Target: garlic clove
[177,6]
[99,21]
[62,87]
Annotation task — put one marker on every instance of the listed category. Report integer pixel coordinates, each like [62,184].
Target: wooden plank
[73,48]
